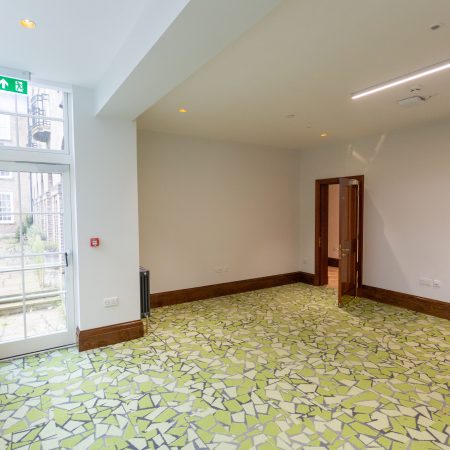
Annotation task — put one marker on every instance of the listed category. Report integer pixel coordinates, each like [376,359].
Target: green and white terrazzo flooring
[280,368]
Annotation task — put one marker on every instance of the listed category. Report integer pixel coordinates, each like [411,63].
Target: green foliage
[34,241]
[26,224]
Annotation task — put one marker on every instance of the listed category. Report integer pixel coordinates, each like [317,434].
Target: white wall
[106,205]
[407,213]
[205,205]
[333,221]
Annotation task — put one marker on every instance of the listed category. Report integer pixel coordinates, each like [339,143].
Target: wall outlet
[222,269]
[111,301]
[436,283]
[425,281]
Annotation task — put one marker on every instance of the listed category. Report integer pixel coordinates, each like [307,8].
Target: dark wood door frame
[321,239]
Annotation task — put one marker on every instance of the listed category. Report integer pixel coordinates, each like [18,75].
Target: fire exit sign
[13,85]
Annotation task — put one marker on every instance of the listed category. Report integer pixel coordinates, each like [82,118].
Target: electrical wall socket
[222,269]
[429,282]
[111,301]
[436,283]
[425,281]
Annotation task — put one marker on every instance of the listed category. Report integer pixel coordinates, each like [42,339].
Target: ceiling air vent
[412,101]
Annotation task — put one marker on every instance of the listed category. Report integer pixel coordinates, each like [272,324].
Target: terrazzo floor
[280,368]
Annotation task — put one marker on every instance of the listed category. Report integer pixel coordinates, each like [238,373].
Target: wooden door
[348,237]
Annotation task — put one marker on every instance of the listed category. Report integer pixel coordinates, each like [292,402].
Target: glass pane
[41,102]
[32,260]
[25,192]
[8,134]
[7,102]
[41,133]
[38,260]
[44,194]
[41,282]
[9,216]
[43,233]
[11,321]
[23,102]
[45,315]
[9,238]
[11,307]
[10,286]
[10,263]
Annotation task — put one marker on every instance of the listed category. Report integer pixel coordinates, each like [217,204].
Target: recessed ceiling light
[324,135]
[405,79]
[290,116]
[182,110]
[28,23]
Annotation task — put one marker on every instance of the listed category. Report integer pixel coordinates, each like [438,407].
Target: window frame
[65,121]
[2,213]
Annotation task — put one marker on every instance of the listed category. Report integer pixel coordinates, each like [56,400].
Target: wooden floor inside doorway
[333,277]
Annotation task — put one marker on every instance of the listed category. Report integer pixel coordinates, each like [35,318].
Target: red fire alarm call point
[95,242]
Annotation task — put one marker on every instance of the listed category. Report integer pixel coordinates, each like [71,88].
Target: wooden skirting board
[408,301]
[112,334]
[233,287]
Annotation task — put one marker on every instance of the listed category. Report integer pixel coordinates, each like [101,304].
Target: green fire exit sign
[13,85]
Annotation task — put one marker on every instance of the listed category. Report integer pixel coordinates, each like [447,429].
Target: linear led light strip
[402,80]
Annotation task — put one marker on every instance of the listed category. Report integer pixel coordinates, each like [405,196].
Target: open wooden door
[348,237]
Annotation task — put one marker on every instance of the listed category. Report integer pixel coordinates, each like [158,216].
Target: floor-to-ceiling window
[36,275]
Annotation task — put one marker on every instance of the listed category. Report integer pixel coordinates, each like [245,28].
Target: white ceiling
[131,53]
[171,40]
[306,58]
[75,40]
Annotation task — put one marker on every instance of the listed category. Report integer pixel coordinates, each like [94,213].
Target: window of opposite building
[6,207]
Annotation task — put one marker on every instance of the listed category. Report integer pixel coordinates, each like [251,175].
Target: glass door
[36,281]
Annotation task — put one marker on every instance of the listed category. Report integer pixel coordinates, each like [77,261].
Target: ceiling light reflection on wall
[405,79]
[28,23]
